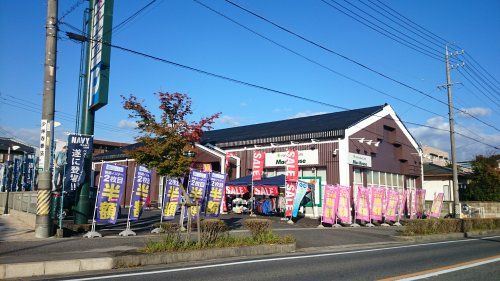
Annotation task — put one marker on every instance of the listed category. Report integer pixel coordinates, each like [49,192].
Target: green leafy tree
[484,183]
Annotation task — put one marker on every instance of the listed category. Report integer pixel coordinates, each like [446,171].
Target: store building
[366,146]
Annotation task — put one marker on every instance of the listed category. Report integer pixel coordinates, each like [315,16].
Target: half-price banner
[111,186]
[171,198]
[330,203]
[344,209]
[216,188]
[258,165]
[292,166]
[377,202]
[197,187]
[79,146]
[420,202]
[140,191]
[290,190]
[391,205]
[299,195]
[363,204]
[437,204]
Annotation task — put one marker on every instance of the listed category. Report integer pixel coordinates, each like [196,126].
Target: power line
[237,81]
[353,61]
[130,18]
[466,77]
[71,9]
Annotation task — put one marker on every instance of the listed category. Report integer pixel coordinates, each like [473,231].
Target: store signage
[306,157]
[360,160]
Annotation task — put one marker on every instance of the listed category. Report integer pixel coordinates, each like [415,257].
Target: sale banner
[344,204]
[171,198]
[216,188]
[391,205]
[363,204]
[197,187]
[111,186]
[377,202]
[236,189]
[258,165]
[292,166]
[330,203]
[299,195]
[437,205]
[268,190]
[402,202]
[228,162]
[140,191]
[290,190]
[420,202]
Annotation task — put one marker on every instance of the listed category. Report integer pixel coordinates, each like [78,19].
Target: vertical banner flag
[258,165]
[344,209]
[140,191]
[111,186]
[401,202]
[299,195]
[290,190]
[363,204]
[216,191]
[377,202]
[413,203]
[79,147]
[15,174]
[330,203]
[292,166]
[391,205]
[171,198]
[437,204]
[197,186]
[420,202]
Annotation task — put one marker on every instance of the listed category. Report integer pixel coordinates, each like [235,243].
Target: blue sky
[185,32]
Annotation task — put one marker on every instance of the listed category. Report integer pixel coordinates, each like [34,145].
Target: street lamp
[6,188]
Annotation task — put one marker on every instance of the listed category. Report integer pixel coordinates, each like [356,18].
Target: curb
[32,269]
[432,237]
[481,232]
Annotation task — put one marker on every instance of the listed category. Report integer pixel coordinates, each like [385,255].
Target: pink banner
[344,204]
[391,205]
[363,204]
[330,203]
[290,189]
[402,202]
[420,202]
[437,204]
[377,202]
[413,203]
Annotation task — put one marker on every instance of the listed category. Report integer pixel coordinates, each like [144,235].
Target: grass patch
[443,226]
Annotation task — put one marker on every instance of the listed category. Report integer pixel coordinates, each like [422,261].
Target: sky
[188,33]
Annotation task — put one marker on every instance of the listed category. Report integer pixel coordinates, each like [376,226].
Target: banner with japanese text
[216,189]
[299,195]
[15,174]
[344,209]
[377,202]
[391,205]
[363,204]
[171,198]
[79,147]
[197,186]
[330,203]
[140,191]
[437,205]
[420,202]
[402,202]
[292,166]
[290,190]
[111,186]
[258,165]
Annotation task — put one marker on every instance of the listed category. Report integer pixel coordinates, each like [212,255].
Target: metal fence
[20,201]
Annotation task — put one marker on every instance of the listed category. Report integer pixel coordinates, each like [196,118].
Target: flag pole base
[336,225]
[127,232]
[290,221]
[321,226]
[385,224]
[154,231]
[355,225]
[369,224]
[92,234]
[397,224]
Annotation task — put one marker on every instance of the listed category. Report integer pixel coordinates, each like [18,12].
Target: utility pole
[456,200]
[43,225]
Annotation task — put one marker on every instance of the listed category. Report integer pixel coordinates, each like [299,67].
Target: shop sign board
[306,157]
[360,160]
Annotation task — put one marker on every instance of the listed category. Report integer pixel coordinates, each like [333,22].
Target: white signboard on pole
[306,157]
[360,160]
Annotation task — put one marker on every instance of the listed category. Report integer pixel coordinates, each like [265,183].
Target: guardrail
[19,201]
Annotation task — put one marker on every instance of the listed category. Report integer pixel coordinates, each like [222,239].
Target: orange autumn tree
[167,141]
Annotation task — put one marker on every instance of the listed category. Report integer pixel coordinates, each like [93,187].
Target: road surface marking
[443,270]
[274,259]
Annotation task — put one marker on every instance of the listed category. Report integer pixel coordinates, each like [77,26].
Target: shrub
[258,227]
[212,230]
[481,224]
[431,226]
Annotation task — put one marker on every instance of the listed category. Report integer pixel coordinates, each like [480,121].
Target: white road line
[274,259]
[432,274]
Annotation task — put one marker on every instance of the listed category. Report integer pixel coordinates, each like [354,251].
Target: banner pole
[128,231]
[355,206]
[92,233]
[62,198]
[158,229]
[370,195]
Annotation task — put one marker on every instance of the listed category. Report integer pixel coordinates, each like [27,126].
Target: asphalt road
[369,264]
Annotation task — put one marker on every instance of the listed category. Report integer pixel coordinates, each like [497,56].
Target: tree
[484,183]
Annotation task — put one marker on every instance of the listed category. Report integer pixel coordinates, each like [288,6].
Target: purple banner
[111,186]
[196,187]
[140,191]
[171,198]
[216,187]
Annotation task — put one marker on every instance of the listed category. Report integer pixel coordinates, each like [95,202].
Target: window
[383,179]
[376,178]
[358,177]
[394,180]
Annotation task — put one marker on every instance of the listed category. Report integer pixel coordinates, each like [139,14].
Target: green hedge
[441,226]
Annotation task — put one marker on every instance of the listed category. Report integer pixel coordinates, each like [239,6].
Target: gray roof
[5,143]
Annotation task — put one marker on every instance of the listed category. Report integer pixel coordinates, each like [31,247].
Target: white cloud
[466,148]
[306,113]
[127,124]
[229,120]
[475,111]
[32,135]
[284,109]
[243,104]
